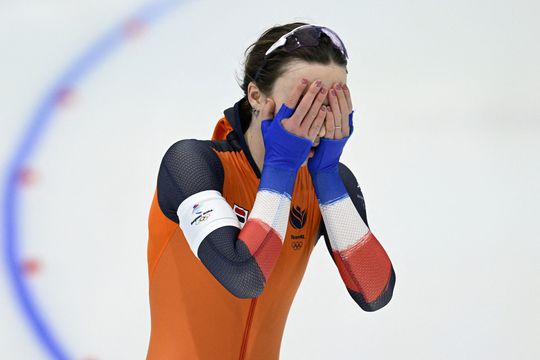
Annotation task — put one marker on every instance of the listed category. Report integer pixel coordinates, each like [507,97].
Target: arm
[361,260]
[192,180]
[190,183]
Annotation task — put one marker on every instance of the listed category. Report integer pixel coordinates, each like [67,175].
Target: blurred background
[447,99]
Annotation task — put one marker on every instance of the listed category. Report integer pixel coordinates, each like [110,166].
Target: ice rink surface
[446,144]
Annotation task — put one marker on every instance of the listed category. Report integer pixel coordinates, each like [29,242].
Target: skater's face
[296,70]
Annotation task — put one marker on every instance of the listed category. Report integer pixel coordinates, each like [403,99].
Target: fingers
[268,110]
[329,124]
[343,109]
[297,92]
[336,114]
[310,116]
[306,102]
[307,123]
[347,93]
[317,123]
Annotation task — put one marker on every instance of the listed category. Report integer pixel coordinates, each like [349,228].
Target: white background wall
[445,149]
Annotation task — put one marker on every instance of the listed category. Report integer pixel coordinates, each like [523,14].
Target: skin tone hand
[281,91]
[309,116]
[338,112]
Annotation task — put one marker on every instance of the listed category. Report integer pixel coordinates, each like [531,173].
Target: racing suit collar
[231,125]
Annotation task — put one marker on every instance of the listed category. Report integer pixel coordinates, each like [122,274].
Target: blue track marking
[37,124]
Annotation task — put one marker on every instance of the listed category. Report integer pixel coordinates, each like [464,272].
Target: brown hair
[324,54]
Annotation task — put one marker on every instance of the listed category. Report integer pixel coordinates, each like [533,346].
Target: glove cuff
[283,149]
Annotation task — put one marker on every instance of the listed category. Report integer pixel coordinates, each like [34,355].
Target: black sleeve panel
[232,265]
[189,166]
[382,300]
[353,188]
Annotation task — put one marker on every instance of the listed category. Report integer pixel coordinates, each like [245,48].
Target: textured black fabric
[233,267]
[355,193]
[190,166]
[382,300]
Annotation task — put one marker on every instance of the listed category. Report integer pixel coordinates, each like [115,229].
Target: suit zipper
[248,326]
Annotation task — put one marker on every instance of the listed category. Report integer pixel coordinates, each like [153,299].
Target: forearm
[361,260]
[241,260]
[264,231]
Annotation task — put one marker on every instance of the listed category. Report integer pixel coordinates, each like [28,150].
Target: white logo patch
[202,213]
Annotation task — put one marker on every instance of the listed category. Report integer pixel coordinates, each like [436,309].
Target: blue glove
[328,152]
[323,168]
[284,153]
[283,149]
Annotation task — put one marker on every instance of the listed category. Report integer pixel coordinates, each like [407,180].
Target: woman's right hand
[308,117]
[289,134]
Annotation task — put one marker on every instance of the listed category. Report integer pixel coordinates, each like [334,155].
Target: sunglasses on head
[302,36]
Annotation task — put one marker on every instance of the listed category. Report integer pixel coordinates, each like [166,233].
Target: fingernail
[338,86]
[323,108]
[318,83]
[304,81]
[333,92]
[323,90]
[345,87]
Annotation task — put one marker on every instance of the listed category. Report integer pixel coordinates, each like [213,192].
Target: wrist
[327,154]
[283,149]
[277,179]
[328,185]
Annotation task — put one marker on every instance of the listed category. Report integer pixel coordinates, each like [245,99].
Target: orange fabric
[160,229]
[192,315]
[221,129]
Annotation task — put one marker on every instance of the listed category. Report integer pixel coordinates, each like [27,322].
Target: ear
[255,96]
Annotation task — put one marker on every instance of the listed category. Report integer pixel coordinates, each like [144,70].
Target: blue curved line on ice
[38,122]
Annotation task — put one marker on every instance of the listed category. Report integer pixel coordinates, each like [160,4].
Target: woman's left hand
[338,123]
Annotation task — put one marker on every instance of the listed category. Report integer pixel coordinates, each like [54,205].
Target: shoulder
[192,156]
[202,152]
[353,188]
[347,176]
[350,181]
[187,149]
[189,166]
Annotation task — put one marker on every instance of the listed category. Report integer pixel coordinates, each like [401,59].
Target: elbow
[246,285]
[235,269]
[381,301]
[243,279]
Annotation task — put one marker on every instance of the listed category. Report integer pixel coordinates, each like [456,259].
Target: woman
[235,219]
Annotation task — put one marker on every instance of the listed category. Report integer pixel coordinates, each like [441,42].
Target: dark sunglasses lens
[311,36]
[303,37]
[336,40]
